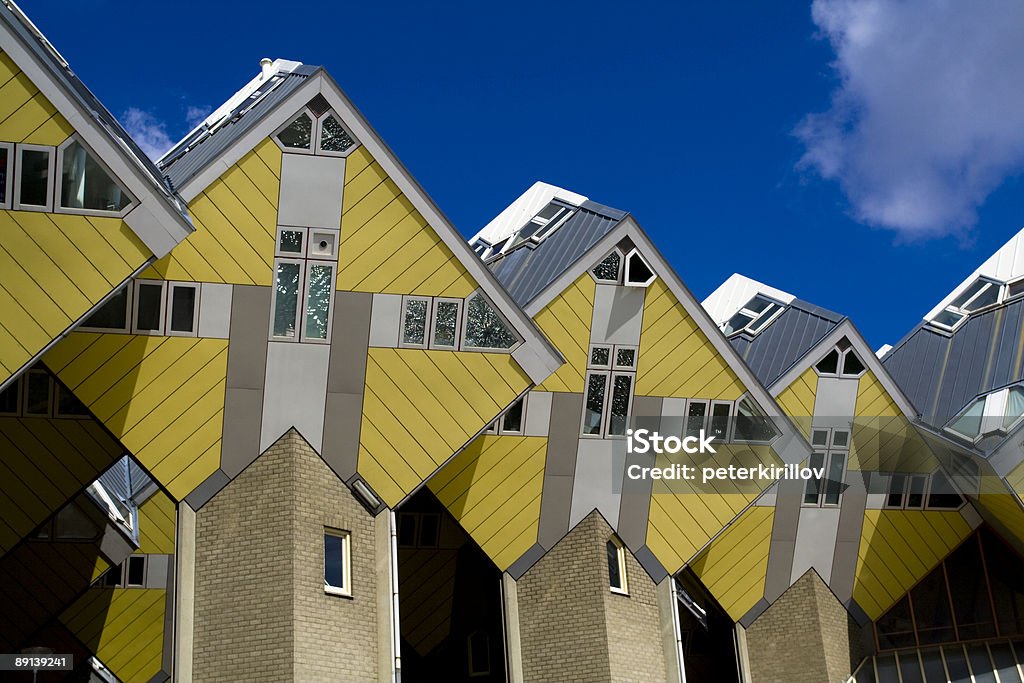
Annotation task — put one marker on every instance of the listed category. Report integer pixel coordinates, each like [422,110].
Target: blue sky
[862,156]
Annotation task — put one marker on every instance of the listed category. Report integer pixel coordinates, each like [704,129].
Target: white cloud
[195,115]
[928,118]
[149,133]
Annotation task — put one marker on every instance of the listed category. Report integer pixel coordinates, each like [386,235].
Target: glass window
[637,270]
[600,356]
[819,437]
[333,137]
[972,291]
[625,358]
[593,409]
[37,393]
[407,529]
[512,420]
[35,177]
[68,404]
[915,493]
[183,309]
[852,365]
[298,134]
[414,322]
[616,566]
[478,648]
[1014,406]
[112,315]
[446,323]
[720,420]
[618,410]
[73,525]
[1014,289]
[9,398]
[336,563]
[290,242]
[149,303]
[942,495]
[814,485]
[286,299]
[318,300]
[136,574]
[5,166]
[948,319]
[752,424]
[608,269]
[484,327]
[932,611]
[969,423]
[696,412]
[829,365]
[85,184]
[834,485]
[897,483]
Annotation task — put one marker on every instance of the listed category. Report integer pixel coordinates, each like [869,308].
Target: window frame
[609,393]
[60,415]
[311,150]
[59,182]
[619,274]
[318,135]
[303,311]
[129,311]
[136,284]
[16,387]
[308,245]
[171,286]
[591,365]
[522,419]
[1001,291]
[24,393]
[127,571]
[472,671]
[840,372]
[758,321]
[344,590]
[427,322]
[828,451]
[734,415]
[709,421]
[300,303]
[704,420]
[16,204]
[604,403]
[615,357]
[625,270]
[432,328]
[620,551]
[8,201]
[463,346]
[280,253]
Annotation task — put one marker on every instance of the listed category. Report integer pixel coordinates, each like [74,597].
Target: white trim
[312,235]
[345,590]
[432,326]
[704,420]
[59,176]
[618,272]
[19,164]
[634,252]
[280,253]
[604,403]
[303,312]
[8,183]
[171,287]
[427,322]
[629,403]
[522,418]
[136,285]
[319,136]
[625,347]
[590,356]
[299,299]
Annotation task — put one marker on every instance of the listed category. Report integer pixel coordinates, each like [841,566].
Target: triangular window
[485,329]
[609,269]
[298,134]
[85,184]
[333,136]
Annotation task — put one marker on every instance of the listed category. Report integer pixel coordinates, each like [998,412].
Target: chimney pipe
[266,67]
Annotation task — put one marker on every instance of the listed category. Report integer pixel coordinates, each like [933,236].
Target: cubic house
[266,416]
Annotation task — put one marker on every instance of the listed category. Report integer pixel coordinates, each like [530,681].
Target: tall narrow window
[135,575]
[414,321]
[183,313]
[719,425]
[304,275]
[6,159]
[319,287]
[696,417]
[149,307]
[287,281]
[478,652]
[617,566]
[85,184]
[831,448]
[35,178]
[337,562]
[10,398]
[445,332]
[618,406]
[38,396]
[593,407]
[512,420]
[609,391]
[484,328]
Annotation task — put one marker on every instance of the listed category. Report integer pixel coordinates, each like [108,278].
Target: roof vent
[266,67]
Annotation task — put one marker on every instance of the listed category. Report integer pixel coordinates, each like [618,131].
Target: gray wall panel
[247,347]
[311,191]
[350,331]
[243,415]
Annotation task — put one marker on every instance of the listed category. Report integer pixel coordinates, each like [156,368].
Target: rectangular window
[897,483]
[720,412]
[812,492]
[183,313]
[407,526]
[444,331]
[915,491]
[10,398]
[625,358]
[34,181]
[618,406]
[617,567]
[430,529]
[6,163]
[149,307]
[609,394]
[38,388]
[337,563]
[135,575]
[112,315]
[68,404]
[593,406]
[830,454]
[287,283]
[512,420]
[600,356]
[696,417]
[322,245]
[319,288]
[415,313]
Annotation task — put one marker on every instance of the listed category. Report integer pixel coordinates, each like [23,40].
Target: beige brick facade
[261,613]
[807,636]
[573,628]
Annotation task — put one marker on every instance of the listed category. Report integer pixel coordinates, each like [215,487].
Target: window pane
[1014,406]
[957,665]
[819,438]
[895,627]
[35,177]
[764,317]
[183,309]
[814,484]
[9,398]
[37,394]
[5,160]
[286,301]
[638,269]
[594,407]
[852,364]
[988,296]
[290,242]
[695,415]
[948,318]
[887,669]
[429,530]
[625,358]
[484,328]
[333,565]
[931,609]
[512,421]
[910,668]
[334,138]
[414,330]
[147,307]
[479,654]
[933,669]
[446,323]
[614,569]
[73,525]
[298,135]
[981,665]
[406,529]
[737,322]
[971,607]
[86,185]
[829,364]
[915,497]
[136,571]
[752,424]
[68,403]
[608,269]
[969,293]
[318,302]
[897,483]
[111,315]
[840,438]
[969,424]
[599,356]
[834,485]
[1002,657]
[942,494]
[720,420]
[619,408]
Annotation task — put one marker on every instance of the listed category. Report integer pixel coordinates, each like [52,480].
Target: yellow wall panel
[386,245]
[156,525]
[897,549]
[123,627]
[421,406]
[883,438]
[236,224]
[676,358]
[797,400]
[493,488]
[734,567]
[26,115]
[566,322]
[162,397]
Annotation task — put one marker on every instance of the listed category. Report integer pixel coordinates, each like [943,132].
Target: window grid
[609,387]
[831,450]
[305,271]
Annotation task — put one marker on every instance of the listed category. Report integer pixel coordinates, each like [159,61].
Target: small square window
[600,356]
[33,184]
[819,437]
[291,242]
[337,562]
[183,313]
[415,314]
[625,357]
[149,307]
[840,438]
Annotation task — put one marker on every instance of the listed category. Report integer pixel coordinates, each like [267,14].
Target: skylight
[995,413]
[754,316]
[541,225]
[980,295]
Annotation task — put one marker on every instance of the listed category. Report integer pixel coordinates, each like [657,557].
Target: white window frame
[1010,285]
[590,357]
[428,323]
[472,671]
[136,284]
[608,403]
[620,549]
[279,253]
[522,420]
[127,573]
[841,363]
[615,357]
[758,321]
[8,201]
[618,274]
[318,134]
[129,311]
[625,270]
[993,415]
[686,414]
[300,304]
[604,403]
[346,563]
[709,421]
[463,346]
[59,180]
[432,327]
[21,148]
[25,393]
[828,451]
[312,133]
[169,297]
[962,310]
[304,299]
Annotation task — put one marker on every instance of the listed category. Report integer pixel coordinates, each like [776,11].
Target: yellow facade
[797,400]
[883,437]
[566,321]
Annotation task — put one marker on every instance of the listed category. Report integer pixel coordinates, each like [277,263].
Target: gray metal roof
[35,42]
[528,270]
[203,145]
[941,373]
[124,479]
[788,338]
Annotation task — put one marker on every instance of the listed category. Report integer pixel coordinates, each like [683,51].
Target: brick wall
[261,613]
[807,636]
[573,628]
